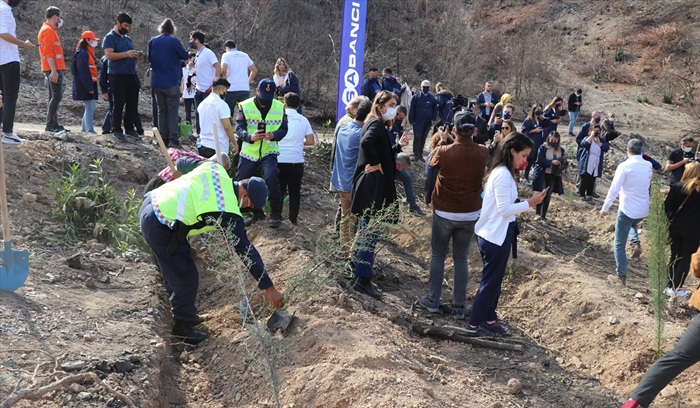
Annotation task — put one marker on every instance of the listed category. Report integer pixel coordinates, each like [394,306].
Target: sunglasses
[506,128]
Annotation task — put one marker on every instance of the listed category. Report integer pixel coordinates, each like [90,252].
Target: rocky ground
[585,340]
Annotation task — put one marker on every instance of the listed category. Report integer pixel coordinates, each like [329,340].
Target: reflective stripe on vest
[206,189]
[257,150]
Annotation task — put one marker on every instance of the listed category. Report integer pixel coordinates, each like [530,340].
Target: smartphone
[139,53]
[262,126]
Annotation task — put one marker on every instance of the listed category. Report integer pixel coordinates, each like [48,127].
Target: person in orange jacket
[53,64]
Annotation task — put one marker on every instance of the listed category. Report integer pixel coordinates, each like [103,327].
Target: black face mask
[222,96]
[426,89]
[13,3]
[123,31]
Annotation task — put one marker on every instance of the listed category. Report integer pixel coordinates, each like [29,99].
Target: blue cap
[266,89]
[257,191]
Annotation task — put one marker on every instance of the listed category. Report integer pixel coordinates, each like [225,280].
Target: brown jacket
[461,171]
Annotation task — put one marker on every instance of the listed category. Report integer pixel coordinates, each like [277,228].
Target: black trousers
[290,175]
[125,91]
[586,186]
[9,85]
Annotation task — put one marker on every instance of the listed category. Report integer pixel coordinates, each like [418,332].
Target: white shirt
[211,111]
[204,65]
[185,93]
[499,207]
[8,52]
[237,63]
[632,182]
[470,216]
[292,145]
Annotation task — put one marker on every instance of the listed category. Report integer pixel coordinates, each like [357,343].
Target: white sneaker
[12,139]
[669,292]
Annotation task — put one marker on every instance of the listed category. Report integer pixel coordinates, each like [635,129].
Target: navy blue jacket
[537,138]
[291,84]
[538,171]
[370,88]
[82,80]
[584,150]
[481,100]
[390,84]
[165,53]
[423,110]
[550,114]
[444,106]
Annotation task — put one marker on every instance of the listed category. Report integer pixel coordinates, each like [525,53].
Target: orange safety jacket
[50,47]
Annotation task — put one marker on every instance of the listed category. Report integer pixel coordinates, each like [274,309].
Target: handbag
[184,129]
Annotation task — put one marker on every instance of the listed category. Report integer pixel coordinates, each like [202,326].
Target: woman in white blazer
[496,229]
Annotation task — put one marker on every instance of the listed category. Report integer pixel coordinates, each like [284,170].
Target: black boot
[365,285]
[183,331]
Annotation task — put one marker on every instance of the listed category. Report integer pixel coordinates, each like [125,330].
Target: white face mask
[688,149]
[390,114]
[60,23]
[93,43]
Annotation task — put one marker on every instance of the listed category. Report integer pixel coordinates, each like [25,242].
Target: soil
[586,340]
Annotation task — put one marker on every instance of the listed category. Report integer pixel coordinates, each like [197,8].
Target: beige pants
[347,223]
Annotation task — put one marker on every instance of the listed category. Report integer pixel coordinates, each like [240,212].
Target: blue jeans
[248,168]
[624,227]
[572,121]
[495,258]
[461,233]
[88,123]
[405,178]
[367,236]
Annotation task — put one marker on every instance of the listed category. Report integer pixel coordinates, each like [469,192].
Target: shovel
[280,321]
[15,264]
[163,149]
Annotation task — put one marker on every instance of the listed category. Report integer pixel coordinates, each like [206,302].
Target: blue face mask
[506,115]
[426,89]
[596,120]
[192,44]
[553,143]
[538,112]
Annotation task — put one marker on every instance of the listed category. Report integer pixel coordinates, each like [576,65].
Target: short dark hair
[221,82]
[167,27]
[388,71]
[687,138]
[578,91]
[363,109]
[292,100]
[401,109]
[199,36]
[52,11]
[230,44]
[373,69]
[124,18]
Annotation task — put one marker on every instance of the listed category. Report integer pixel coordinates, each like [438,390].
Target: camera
[472,104]
[459,102]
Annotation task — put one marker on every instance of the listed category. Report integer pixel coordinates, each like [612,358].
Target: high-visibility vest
[257,150]
[207,189]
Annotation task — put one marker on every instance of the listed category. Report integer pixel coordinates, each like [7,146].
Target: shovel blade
[14,269]
[280,321]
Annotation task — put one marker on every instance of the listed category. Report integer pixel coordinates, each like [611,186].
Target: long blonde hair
[691,178]
[286,66]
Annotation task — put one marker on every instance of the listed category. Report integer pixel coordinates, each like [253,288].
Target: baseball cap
[266,89]
[257,191]
[89,35]
[464,120]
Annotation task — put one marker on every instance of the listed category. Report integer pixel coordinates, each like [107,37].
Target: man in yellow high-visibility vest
[260,124]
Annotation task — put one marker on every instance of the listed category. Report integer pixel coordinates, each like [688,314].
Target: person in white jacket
[496,230]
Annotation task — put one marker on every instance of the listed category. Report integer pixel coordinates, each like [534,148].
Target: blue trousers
[179,271]
[366,244]
[405,177]
[247,169]
[624,227]
[572,120]
[495,258]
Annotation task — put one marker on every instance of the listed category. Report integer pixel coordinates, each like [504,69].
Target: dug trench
[585,340]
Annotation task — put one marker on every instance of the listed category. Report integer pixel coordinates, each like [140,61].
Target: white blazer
[499,208]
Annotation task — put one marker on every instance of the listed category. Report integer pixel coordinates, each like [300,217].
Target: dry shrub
[665,36]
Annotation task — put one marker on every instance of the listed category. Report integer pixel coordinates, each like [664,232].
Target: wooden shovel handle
[163,149]
[6,234]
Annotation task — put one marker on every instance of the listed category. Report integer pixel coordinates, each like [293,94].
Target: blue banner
[352,53]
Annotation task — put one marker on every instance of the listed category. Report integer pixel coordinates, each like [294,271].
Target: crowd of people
[475,160]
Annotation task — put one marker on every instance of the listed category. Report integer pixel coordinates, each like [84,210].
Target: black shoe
[497,329]
[417,211]
[134,134]
[275,220]
[595,195]
[175,144]
[120,137]
[184,332]
[106,132]
[365,285]
[52,129]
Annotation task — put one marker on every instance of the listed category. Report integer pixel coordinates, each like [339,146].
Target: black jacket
[687,220]
[374,190]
